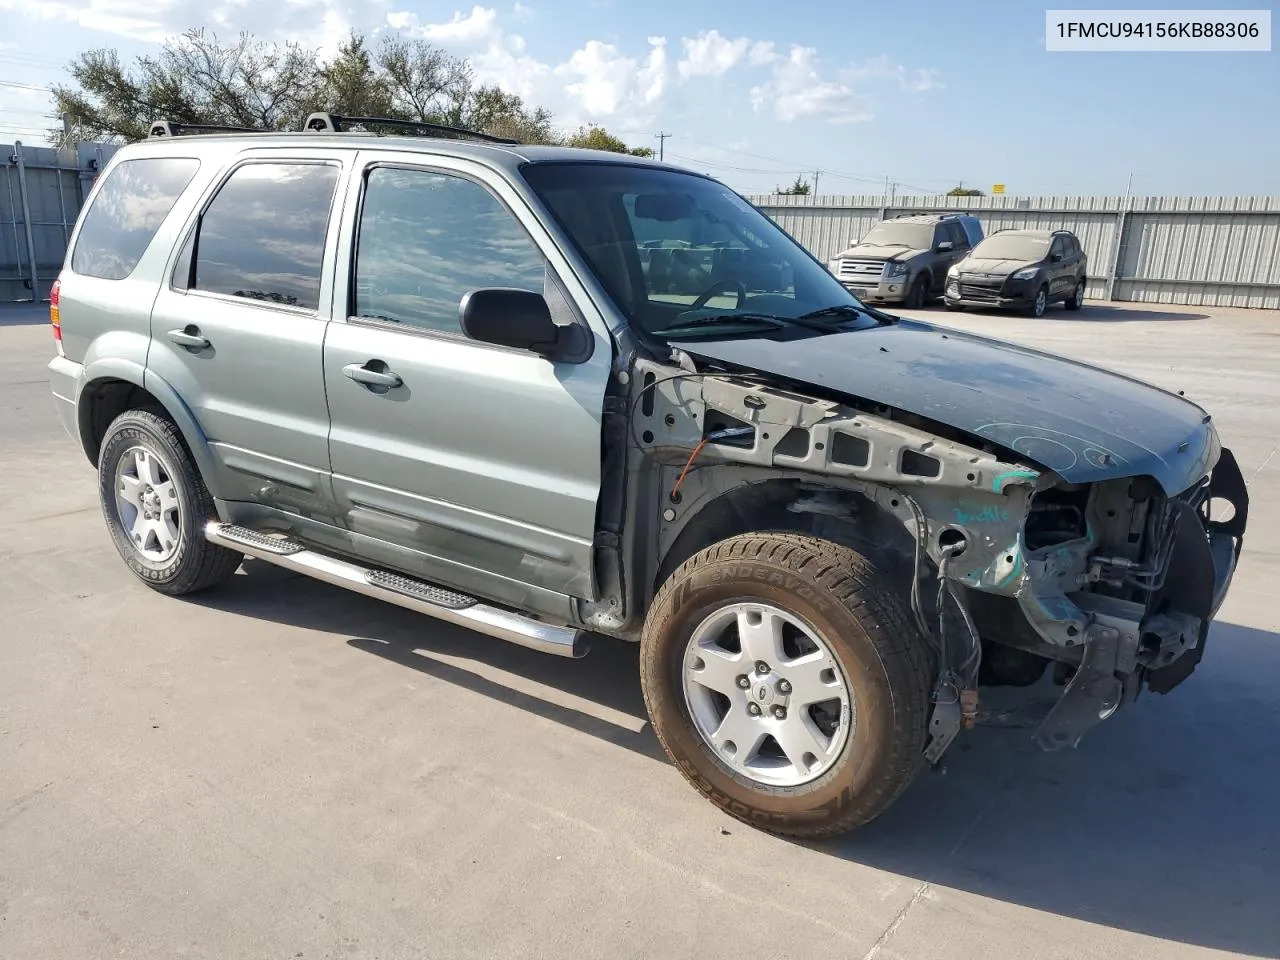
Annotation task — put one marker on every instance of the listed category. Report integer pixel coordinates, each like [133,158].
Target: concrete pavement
[281,769]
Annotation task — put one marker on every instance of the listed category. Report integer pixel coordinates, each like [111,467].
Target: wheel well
[789,506]
[104,400]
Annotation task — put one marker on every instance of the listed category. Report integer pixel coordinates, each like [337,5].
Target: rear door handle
[189,337]
[375,378]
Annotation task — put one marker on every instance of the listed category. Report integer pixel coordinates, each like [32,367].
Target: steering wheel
[718,287]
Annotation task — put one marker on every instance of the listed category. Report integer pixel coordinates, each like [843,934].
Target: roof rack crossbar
[170,128]
[332,122]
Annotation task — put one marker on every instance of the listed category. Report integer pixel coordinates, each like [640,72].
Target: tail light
[55,316]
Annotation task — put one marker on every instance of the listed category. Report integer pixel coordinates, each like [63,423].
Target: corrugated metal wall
[1204,251]
[57,182]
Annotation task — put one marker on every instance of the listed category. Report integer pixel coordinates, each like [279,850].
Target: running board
[438,602]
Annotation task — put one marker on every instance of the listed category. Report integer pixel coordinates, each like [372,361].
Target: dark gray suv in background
[1020,269]
[905,259]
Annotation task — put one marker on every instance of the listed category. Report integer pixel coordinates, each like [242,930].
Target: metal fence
[41,190]
[1204,251]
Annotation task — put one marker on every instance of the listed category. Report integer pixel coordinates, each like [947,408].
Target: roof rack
[332,122]
[168,128]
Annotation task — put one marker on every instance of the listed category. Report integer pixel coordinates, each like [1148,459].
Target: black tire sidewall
[134,429]
[831,796]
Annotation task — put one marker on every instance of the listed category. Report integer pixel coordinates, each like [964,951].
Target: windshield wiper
[759,319]
[848,310]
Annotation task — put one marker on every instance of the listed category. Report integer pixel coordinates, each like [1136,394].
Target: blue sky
[756,93]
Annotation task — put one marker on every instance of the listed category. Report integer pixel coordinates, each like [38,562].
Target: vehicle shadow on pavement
[608,676]
[1164,822]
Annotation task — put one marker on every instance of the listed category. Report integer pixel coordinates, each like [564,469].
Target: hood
[874,251]
[1085,423]
[999,268]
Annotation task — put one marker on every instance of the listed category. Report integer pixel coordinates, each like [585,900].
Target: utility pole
[662,142]
[816,175]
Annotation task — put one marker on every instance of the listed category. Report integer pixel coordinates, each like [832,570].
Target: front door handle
[366,374]
[189,337]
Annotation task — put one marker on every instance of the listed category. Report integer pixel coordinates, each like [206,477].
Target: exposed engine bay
[1010,569]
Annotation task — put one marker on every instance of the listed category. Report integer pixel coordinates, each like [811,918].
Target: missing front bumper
[1169,643]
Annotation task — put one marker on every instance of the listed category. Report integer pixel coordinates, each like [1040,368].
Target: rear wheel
[155,505]
[1076,300]
[787,682]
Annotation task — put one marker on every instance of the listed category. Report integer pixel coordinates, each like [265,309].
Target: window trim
[550,272]
[197,220]
[92,201]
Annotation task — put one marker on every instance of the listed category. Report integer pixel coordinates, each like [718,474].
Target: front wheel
[785,679]
[156,504]
[1076,300]
[918,293]
[1040,303]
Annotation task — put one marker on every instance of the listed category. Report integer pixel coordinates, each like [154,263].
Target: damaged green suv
[553,395]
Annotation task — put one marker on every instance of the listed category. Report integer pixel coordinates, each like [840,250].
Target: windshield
[914,236]
[674,249]
[1014,247]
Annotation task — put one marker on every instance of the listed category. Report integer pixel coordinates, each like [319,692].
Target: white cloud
[522,12]
[314,23]
[480,24]
[710,54]
[879,68]
[797,90]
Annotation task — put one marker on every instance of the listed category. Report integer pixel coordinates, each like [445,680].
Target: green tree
[798,189]
[593,137]
[352,83]
[194,79]
[964,192]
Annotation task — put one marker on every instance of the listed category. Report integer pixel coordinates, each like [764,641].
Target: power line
[24,86]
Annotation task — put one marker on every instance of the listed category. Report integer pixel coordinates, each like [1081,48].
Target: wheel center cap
[765,692]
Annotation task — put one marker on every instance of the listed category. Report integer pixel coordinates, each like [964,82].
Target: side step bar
[438,602]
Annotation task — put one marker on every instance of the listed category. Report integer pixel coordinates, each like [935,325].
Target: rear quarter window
[127,212]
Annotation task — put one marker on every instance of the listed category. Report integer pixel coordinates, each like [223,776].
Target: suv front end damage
[1114,581]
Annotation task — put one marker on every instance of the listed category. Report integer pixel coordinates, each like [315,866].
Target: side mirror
[1055,257]
[510,318]
[946,246]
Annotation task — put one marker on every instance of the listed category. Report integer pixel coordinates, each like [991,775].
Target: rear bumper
[65,378]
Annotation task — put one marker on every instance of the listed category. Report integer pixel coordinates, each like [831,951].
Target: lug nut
[753,709]
[784,687]
[780,713]
[744,681]
[762,667]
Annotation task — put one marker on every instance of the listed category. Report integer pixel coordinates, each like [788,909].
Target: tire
[870,637]
[1076,300]
[918,294]
[155,505]
[1040,304]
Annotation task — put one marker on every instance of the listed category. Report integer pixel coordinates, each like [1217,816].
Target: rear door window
[126,214]
[263,235]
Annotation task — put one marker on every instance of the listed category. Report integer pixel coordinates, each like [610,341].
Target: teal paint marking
[1010,476]
[968,512]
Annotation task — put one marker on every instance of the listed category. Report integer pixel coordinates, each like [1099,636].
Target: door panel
[485,457]
[479,462]
[240,333]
